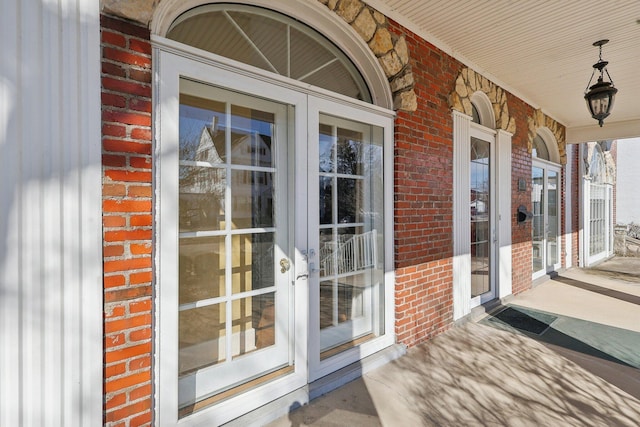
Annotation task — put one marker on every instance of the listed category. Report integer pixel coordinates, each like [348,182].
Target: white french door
[234,250]
[546,218]
[347,220]
[274,263]
[483,214]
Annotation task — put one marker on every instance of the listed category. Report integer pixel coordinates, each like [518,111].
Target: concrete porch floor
[565,353]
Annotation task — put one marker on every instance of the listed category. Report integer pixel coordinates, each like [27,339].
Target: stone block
[381,43]
[349,9]
[391,63]
[365,25]
[402,50]
[405,101]
[379,17]
[402,81]
[139,11]
[461,87]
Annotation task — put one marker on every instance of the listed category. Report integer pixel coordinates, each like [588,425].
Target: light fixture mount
[600,96]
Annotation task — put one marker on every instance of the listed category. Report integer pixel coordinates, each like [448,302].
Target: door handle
[285,265]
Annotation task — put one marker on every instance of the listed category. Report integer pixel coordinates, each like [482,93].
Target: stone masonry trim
[540,120]
[469,82]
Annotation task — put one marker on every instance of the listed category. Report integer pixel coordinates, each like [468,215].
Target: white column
[504,282]
[461,216]
[50,221]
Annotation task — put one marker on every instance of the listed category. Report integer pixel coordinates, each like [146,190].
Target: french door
[234,250]
[546,218]
[483,215]
[274,262]
[346,233]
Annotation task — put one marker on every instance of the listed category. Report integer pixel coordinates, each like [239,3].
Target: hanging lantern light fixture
[601,95]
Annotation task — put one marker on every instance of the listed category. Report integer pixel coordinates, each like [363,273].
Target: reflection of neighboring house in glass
[478,204]
[202,191]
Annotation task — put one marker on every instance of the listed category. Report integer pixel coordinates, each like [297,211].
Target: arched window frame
[551,144]
[311,13]
[482,104]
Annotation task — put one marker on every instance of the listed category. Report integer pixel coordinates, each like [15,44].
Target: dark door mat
[524,320]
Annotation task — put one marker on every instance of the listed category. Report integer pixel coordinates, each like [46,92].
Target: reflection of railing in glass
[357,253]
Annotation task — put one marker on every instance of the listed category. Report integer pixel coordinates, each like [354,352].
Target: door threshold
[322,386]
[219,397]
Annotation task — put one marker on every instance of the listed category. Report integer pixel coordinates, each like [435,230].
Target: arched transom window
[272,42]
[540,149]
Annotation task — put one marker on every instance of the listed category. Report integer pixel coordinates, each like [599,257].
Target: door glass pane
[251,136]
[252,194]
[552,218]
[480,224]
[202,337]
[538,204]
[202,268]
[252,261]
[229,240]
[350,233]
[253,324]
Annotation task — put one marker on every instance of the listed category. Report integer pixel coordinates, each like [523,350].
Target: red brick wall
[522,249]
[127,222]
[423,162]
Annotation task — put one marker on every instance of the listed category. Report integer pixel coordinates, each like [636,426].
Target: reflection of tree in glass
[349,159]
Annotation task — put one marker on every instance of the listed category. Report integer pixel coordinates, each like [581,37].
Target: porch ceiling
[541,51]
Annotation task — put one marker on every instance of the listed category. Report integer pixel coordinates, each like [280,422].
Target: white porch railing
[357,253]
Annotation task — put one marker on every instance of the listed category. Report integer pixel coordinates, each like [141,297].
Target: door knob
[285,265]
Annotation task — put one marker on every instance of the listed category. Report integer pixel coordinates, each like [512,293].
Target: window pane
[326,200]
[327,146]
[251,136]
[252,195]
[253,324]
[202,125]
[202,337]
[350,200]
[272,42]
[201,198]
[201,268]
[252,262]
[350,152]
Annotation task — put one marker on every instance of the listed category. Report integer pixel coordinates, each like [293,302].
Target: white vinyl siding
[50,220]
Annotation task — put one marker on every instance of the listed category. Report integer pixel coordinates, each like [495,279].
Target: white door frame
[489,135]
[547,166]
[172,67]
[319,106]
[172,60]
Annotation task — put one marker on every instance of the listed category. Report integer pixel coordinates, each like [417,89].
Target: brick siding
[127,222]
[423,191]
